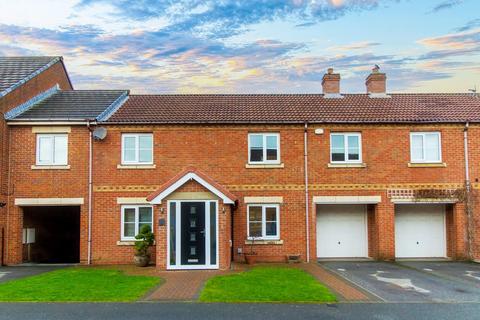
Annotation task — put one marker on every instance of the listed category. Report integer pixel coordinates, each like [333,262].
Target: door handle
[203,231]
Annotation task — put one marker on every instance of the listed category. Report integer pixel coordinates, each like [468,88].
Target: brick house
[21,79]
[325,176]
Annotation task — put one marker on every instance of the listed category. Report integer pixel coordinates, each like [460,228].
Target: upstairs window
[137,148]
[52,149]
[263,221]
[264,148]
[425,147]
[345,148]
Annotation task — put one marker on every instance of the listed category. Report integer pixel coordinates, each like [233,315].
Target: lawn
[78,284]
[266,284]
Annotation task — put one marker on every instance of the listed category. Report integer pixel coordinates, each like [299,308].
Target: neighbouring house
[22,79]
[322,176]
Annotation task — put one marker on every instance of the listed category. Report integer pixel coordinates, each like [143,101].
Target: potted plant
[251,256]
[144,239]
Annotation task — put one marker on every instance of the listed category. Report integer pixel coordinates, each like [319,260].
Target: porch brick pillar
[161,242]
[384,225]
[458,232]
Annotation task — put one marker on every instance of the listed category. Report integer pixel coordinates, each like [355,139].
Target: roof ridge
[31,76]
[97,90]
[285,94]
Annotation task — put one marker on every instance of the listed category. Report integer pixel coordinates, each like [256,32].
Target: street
[179,311]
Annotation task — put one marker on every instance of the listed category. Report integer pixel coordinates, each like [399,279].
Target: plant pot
[141,261]
[250,258]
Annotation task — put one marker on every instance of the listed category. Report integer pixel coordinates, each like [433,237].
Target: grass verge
[266,284]
[78,284]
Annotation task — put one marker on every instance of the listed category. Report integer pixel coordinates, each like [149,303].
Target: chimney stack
[331,83]
[376,82]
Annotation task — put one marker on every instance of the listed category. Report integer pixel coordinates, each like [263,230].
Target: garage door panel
[420,231]
[341,231]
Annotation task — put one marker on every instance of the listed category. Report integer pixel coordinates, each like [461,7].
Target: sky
[243,46]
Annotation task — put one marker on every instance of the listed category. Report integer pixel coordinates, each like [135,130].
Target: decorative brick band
[403,190]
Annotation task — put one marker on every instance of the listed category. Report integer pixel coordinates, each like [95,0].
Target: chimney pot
[331,83]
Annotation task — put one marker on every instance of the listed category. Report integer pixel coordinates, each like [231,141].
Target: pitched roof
[296,108]
[74,105]
[186,175]
[17,70]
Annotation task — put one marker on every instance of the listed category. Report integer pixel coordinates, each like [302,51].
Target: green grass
[78,284]
[266,284]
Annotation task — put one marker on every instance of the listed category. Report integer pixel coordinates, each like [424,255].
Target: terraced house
[331,175]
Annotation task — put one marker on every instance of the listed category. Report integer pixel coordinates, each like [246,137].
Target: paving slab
[392,282]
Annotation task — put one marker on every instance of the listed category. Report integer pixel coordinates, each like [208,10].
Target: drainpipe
[468,192]
[307,205]
[90,156]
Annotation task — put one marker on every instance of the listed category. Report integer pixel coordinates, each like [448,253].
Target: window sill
[347,165]
[264,166]
[127,243]
[37,167]
[264,242]
[427,165]
[136,166]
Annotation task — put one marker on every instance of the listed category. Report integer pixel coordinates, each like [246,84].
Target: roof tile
[295,108]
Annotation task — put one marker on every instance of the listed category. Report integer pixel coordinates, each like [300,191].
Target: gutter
[307,204]
[49,123]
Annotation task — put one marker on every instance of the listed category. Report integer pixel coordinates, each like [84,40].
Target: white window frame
[423,134]
[264,136]
[52,136]
[137,220]
[137,148]
[345,145]
[264,224]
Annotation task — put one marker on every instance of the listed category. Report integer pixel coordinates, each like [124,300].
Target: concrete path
[193,311]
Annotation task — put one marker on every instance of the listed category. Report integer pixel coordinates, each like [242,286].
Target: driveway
[15,272]
[465,272]
[393,282]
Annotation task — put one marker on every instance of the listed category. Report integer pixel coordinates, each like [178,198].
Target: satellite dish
[99,133]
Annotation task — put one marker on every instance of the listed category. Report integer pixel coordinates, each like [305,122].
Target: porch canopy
[187,175]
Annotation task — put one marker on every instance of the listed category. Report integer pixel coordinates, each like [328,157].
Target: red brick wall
[221,152]
[56,74]
[28,183]
[474,160]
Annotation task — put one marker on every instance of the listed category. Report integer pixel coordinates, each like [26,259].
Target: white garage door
[420,231]
[341,231]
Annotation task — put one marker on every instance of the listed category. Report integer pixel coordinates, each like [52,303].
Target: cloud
[226,18]
[454,41]
[472,24]
[355,46]
[447,4]
[183,46]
